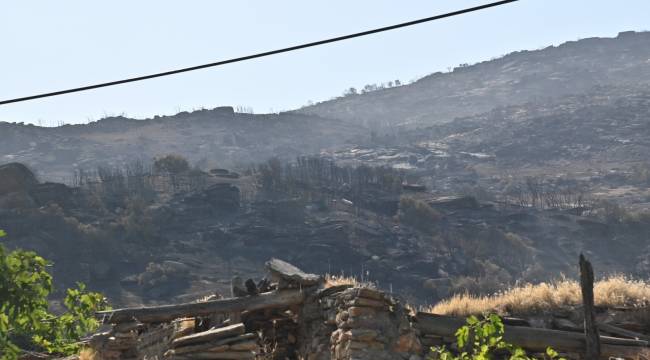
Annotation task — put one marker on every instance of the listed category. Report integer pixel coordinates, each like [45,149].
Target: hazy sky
[49,45]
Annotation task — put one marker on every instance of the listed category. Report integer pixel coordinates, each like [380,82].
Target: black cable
[259,55]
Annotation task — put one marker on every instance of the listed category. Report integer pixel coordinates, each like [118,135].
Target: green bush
[482,339]
[25,320]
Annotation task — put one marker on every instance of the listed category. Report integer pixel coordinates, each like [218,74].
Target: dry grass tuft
[410,309]
[87,354]
[616,291]
[336,280]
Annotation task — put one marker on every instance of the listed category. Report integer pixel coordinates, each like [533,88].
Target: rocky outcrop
[16,177]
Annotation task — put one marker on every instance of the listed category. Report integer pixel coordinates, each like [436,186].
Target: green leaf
[2,233]
[487,342]
[25,285]
[551,353]
[472,320]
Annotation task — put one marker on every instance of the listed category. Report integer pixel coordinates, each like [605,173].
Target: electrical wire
[259,55]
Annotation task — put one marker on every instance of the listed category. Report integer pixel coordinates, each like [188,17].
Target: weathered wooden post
[592,338]
[237,290]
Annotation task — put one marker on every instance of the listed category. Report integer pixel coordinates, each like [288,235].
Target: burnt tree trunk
[592,339]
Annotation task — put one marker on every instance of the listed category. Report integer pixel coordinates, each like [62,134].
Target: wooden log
[244,346]
[128,326]
[534,339]
[592,343]
[615,330]
[210,335]
[165,313]
[213,344]
[282,270]
[333,290]
[507,320]
[566,325]
[116,343]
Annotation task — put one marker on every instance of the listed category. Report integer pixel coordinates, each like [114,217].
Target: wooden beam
[592,343]
[615,330]
[534,339]
[210,335]
[165,313]
[213,344]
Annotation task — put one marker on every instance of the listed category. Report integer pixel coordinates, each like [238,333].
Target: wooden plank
[615,330]
[534,339]
[213,344]
[515,321]
[333,290]
[210,335]
[165,313]
[290,273]
[592,343]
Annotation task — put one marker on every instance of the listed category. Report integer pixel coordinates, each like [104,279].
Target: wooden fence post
[592,338]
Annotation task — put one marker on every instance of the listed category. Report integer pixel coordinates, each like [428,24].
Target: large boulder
[16,177]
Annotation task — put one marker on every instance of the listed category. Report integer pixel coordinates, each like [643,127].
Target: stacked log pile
[229,342]
[133,340]
[113,345]
[233,328]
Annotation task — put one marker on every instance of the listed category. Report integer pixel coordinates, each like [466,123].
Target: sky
[52,45]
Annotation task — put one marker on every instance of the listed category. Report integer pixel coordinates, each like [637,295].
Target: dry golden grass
[616,291]
[336,280]
[87,354]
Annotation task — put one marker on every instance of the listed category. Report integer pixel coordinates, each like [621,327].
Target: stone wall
[372,325]
[345,322]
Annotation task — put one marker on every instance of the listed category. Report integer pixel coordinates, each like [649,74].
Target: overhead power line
[262,54]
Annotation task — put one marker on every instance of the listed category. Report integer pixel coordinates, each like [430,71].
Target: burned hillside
[142,239]
[217,137]
[547,74]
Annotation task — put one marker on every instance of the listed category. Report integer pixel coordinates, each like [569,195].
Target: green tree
[25,320]
[482,339]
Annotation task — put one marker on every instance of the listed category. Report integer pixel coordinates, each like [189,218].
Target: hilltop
[547,74]
[208,138]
